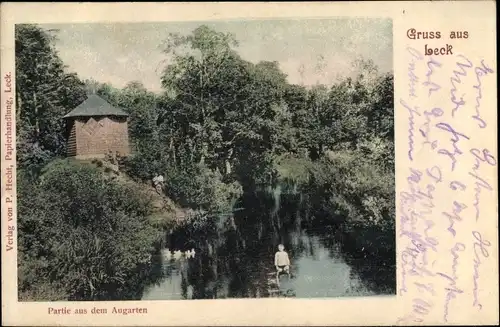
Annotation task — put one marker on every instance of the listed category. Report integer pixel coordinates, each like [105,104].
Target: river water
[234,258]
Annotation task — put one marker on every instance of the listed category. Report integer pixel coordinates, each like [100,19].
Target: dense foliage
[81,234]
[45,92]
[222,125]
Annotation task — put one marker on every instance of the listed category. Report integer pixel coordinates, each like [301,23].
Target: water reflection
[235,258]
[316,271]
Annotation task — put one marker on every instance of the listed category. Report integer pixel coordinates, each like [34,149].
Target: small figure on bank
[281,261]
[155,180]
[158,183]
[117,158]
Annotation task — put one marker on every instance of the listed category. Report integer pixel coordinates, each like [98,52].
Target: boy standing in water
[281,260]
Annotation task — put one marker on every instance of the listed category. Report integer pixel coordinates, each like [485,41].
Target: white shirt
[281,259]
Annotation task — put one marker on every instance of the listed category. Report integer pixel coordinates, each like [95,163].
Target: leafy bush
[81,234]
[144,163]
[354,187]
[199,187]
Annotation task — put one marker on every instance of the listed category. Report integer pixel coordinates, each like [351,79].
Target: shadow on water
[234,256]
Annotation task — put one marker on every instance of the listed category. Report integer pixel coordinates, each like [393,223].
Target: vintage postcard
[304,163]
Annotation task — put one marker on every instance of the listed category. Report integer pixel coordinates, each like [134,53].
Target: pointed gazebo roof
[95,106]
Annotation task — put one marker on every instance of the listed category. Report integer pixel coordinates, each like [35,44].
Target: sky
[122,52]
